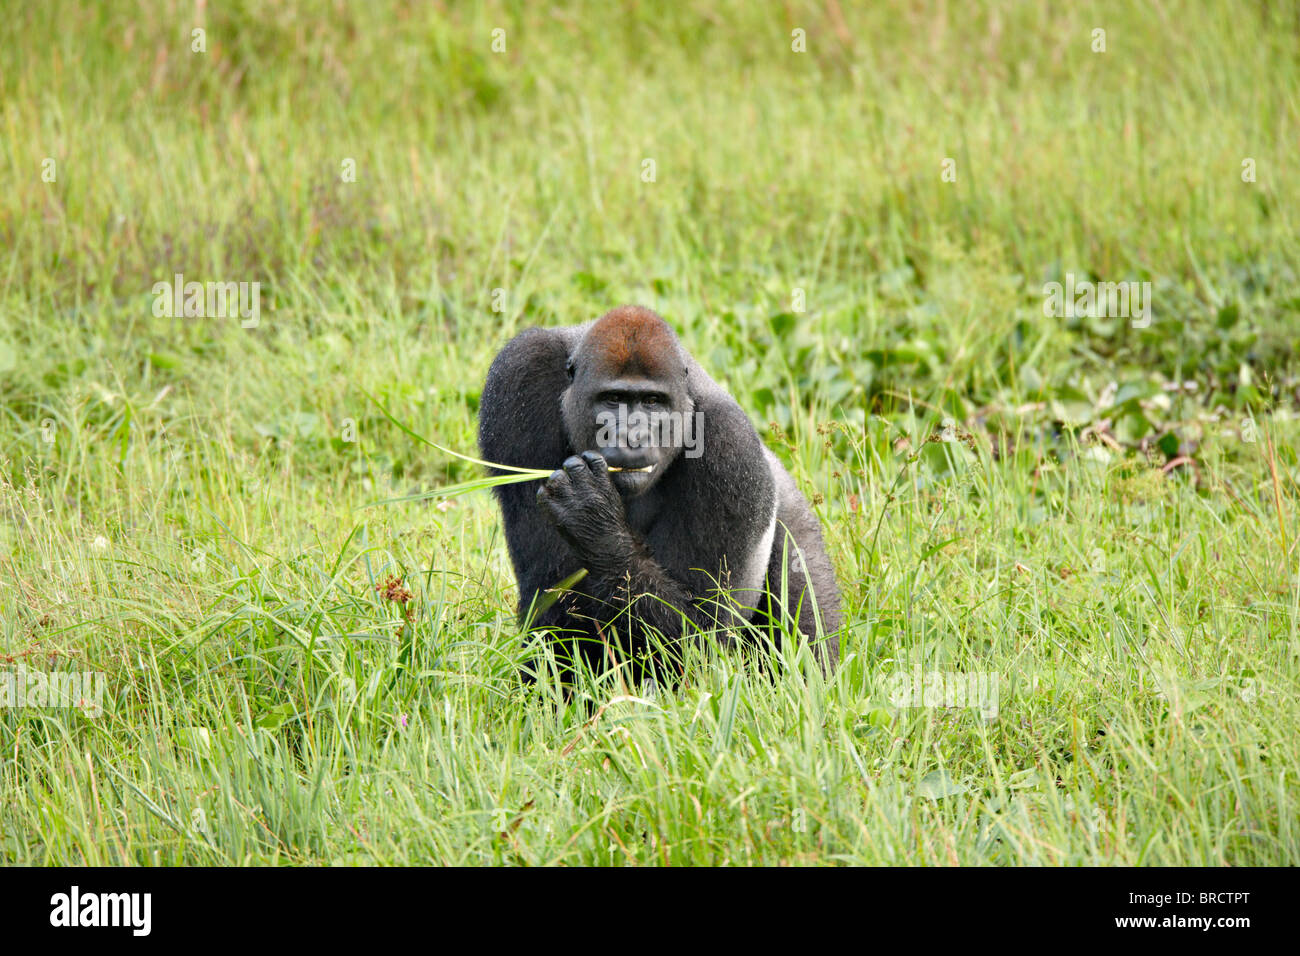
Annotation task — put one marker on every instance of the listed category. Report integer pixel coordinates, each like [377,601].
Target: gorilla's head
[627,398]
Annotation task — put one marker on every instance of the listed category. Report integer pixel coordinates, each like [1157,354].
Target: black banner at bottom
[332,906]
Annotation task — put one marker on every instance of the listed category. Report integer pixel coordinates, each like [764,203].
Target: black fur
[686,548]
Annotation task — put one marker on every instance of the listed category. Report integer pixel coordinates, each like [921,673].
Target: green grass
[181,508]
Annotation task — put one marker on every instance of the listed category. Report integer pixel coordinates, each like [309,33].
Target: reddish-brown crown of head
[632,340]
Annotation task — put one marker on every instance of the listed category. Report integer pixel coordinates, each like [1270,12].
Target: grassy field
[1091,518]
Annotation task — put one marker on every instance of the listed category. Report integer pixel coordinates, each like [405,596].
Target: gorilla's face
[638,423]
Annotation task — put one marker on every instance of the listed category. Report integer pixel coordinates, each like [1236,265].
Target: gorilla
[662,491]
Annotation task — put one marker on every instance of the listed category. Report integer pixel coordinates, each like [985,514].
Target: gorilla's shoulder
[536,349]
[732,449]
[714,400]
[521,399]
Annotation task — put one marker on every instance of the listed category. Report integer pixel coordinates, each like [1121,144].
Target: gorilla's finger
[596,461]
[559,485]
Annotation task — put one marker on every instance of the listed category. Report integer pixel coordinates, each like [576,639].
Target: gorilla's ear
[569,368]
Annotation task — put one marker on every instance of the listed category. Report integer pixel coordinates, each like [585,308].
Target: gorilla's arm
[520,425]
[704,557]
[623,574]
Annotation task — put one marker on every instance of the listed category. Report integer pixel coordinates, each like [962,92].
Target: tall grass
[1102,518]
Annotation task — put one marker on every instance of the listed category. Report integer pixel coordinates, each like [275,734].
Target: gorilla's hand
[585,508]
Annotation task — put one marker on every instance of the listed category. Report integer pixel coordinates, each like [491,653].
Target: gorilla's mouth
[633,480]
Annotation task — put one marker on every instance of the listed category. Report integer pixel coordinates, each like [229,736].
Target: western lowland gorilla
[662,491]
